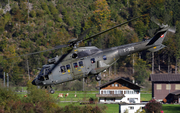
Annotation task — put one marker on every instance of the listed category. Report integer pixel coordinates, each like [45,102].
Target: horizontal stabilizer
[156,48]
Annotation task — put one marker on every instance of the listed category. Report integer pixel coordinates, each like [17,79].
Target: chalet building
[166,87]
[119,90]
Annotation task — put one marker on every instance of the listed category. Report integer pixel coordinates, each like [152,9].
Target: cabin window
[112,85]
[93,60]
[81,63]
[75,65]
[68,67]
[104,57]
[63,69]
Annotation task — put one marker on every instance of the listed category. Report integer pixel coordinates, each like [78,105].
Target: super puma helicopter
[81,62]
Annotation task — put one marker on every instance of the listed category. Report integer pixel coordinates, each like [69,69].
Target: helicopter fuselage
[86,61]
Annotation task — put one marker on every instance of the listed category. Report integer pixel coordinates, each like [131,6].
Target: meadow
[83,96]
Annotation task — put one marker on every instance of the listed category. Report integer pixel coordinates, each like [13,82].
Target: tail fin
[158,38]
[156,48]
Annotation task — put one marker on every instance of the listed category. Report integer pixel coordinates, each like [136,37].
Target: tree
[101,13]
[141,71]
[153,106]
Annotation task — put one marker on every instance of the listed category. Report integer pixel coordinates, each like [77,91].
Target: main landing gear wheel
[51,91]
[98,77]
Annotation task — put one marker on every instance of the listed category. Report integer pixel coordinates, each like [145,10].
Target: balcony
[110,95]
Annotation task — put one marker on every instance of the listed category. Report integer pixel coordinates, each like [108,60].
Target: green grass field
[111,108]
[171,108]
[146,96]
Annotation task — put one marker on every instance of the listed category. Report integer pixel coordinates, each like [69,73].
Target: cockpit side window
[46,70]
[93,60]
[63,69]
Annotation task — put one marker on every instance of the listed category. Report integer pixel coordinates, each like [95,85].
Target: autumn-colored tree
[101,13]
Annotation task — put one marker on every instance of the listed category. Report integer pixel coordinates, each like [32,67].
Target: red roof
[165,77]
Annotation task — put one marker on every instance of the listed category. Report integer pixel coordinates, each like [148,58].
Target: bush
[153,106]
[32,14]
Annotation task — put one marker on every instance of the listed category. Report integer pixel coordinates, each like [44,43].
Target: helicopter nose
[33,82]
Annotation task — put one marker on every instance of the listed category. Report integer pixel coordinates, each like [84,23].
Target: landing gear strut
[98,77]
[51,90]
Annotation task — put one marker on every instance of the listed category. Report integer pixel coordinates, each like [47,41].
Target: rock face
[6,9]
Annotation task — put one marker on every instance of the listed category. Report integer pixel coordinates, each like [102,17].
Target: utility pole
[152,62]
[4,79]
[28,12]
[7,80]
[133,63]
[83,84]
[28,69]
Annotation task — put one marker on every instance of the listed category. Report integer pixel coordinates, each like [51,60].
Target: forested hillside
[43,24]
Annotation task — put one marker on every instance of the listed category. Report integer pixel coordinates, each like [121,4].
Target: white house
[119,90]
[131,107]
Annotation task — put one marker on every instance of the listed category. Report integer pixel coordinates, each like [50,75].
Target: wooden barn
[166,87]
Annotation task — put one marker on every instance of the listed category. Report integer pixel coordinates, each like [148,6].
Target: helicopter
[82,62]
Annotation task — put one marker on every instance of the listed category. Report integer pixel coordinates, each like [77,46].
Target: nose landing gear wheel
[98,77]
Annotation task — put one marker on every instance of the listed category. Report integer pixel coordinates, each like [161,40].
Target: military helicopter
[82,62]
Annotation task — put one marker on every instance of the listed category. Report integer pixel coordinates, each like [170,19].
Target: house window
[177,87]
[107,92]
[131,107]
[168,86]
[158,86]
[63,69]
[115,92]
[116,85]
[112,85]
[127,85]
[119,92]
[104,92]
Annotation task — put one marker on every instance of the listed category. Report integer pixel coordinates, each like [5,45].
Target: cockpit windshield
[44,71]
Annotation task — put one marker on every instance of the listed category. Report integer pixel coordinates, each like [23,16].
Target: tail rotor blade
[172,29]
[155,21]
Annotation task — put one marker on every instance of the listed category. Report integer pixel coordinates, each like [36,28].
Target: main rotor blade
[155,20]
[56,47]
[111,28]
[81,37]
